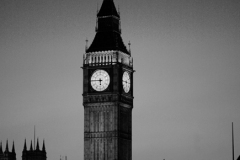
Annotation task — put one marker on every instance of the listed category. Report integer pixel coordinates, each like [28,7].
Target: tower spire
[43,147]
[37,148]
[232,142]
[13,148]
[108,9]
[31,148]
[108,36]
[1,148]
[25,146]
[7,150]
[34,137]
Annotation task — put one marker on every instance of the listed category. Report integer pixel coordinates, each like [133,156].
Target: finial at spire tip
[86,47]
[129,45]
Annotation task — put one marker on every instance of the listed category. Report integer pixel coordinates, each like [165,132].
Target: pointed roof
[238,158]
[31,148]
[43,147]
[108,36]
[1,148]
[37,148]
[25,146]
[13,148]
[108,8]
[105,41]
[7,150]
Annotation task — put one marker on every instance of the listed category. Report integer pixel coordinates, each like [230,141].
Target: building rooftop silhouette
[7,155]
[34,153]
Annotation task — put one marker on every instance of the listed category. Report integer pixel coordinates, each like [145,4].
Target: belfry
[108,90]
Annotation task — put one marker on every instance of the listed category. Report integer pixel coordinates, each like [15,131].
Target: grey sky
[186,85]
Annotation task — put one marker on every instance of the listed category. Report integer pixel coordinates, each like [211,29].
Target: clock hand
[100,80]
[126,82]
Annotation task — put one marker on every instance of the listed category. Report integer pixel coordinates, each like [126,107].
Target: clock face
[100,80]
[126,82]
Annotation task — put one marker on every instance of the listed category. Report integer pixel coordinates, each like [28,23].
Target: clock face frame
[100,80]
[126,82]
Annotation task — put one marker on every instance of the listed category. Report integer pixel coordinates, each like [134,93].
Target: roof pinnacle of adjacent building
[43,147]
[13,148]
[31,147]
[37,148]
[1,148]
[7,150]
[25,145]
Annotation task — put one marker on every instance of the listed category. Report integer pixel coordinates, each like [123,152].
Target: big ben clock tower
[107,91]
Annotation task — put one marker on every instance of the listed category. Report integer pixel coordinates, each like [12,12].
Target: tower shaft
[107,91]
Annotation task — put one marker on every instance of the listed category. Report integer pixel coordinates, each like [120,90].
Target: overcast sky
[186,85]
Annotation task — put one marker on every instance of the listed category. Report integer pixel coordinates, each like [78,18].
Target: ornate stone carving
[100,98]
[127,100]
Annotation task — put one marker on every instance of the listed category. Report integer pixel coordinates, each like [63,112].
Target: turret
[13,148]
[37,148]
[25,146]
[1,152]
[6,150]
[31,148]
[43,147]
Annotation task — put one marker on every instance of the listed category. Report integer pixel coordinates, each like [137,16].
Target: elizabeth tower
[108,90]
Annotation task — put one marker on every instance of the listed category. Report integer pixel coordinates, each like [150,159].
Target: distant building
[7,155]
[34,153]
[31,154]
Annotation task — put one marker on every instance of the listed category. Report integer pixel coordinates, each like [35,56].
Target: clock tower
[108,90]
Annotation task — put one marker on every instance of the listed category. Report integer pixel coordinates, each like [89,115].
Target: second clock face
[126,82]
[100,80]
